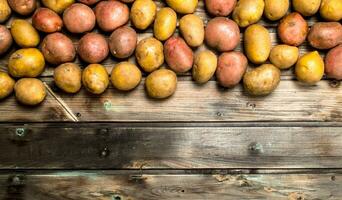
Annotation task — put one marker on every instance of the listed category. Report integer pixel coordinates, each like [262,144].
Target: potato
[67,77]
[293,29]
[57,5]
[220,8]
[257,43]
[143,13]
[6,85]
[111,15]
[310,68]
[222,34]
[74,18]
[58,48]
[248,12]
[330,10]
[284,56]
[26,63]
[333,64]
[5,38]
[261,81]
[205,65]
[88,2]
[161,83]
[276,9]
[5,11]
[325,35]
[192,28]
[165,24]
[122,42]
[23,7]
[125,76]
[30,91]
[149,54]
[95,78]
[47,20]
[231,68]
[93,48]
[183,6]
[307,7]
[178,55]
[24,34]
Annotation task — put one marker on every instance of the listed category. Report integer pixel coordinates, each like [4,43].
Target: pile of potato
[51,19]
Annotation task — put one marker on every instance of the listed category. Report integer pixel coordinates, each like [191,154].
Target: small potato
[220,8]
[111,15]
[88,2]
[165,24]
[67,77]
[205,65]
[74,18]
[122,42]
[178,55]
[6,85]
[149,54]
[276,9]
[325,35]
[284,56]
[333,64]
[30,91]
[183,6]
[58,48]
[5,11]
[5,38]
[222,34]
[26,63]
[330,10]
[47,20]
[192,28]
[257,43]
[57,5]
[293,29]
[310,68]
[143,13]
[231,68]
[95,78]
[24,34]
[93,48]
[307,7]
[161,83]
[248,12]
[125,76]
[23,7]
[261,81]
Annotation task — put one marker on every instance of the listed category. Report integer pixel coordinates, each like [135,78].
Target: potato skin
[125,76]
[178,55]
[93,48]
[122,42]
[95,78]
[5,38]
[161,83]
[248,12]
[257,43]
[30,91]
[220,8]
[5,11]
[58,48]
[222,34]
[47,20]
[24,34]
[325,35]
[143,13]
[262,80]
[183,6]
[67,77]
[231,68]
[276,9]
[333,64]
[149,54]
[307,7]
[23,7]
[74,15]
[57,6]
[330,10]
[192,28]
[284,56]
[293,29]
[6,85]
[89,2]
[165,24]
[310,68]
[26,63]
[205,65]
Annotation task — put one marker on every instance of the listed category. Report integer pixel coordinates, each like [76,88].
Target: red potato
[231,68]
[325,35]
[23,7]
[293,29]
[93,48]
[220,7]
[6,39]
[79,18]
[47,20]
[222,34]
[122,42]
[333,64]
[89,2]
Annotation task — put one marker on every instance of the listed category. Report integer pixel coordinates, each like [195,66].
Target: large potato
[122,42]
[23,7]
[183,6]
[47,20]
[93,48]
[67,77]
[307,7]
[248,12]
[178,55]
[79,18]
[30,91]
[24,34]
[231,68]
[257,43]
[6,85]
[5,11]
[331,10]
[161,83]
[261,81]
[333,64]
[5,38]
[310,68]
[276,9]
[57,5]
[89,2]
[222,34]
[284,56]
[325,35]
[95,78]
[205,65]
[26,63]
[192,28]
[165,24]
[125,76]
[220,8]
[143,13]
[149,54]
[293,29]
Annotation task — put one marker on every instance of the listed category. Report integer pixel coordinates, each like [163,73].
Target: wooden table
[205,142]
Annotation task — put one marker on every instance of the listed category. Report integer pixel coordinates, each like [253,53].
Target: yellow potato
[30,91]
[276,9]
[204,66]
[307,7]
[183,6]
[6,85]
[192,28]
[161,83]
[24,34]
[310,68]
[95,78]
[125,76]
[165,24]
[248,12]
[58,5]
[149,54]
[67,77]
[143,13]
[5,11]
[331,10]
[284,56]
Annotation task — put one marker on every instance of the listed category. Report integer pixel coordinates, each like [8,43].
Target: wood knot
[255,148]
